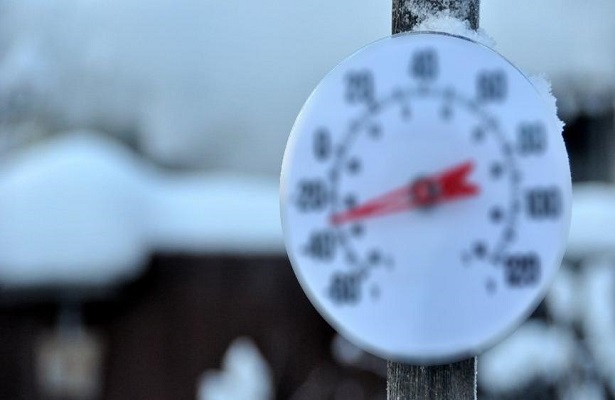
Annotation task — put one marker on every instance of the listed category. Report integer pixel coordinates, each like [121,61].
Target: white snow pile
[592,221]
[201,83]
[564,301]
[245,375]
[534,351]
[431,19]
[572,41]
[445,22]
[83,210]
[598,285]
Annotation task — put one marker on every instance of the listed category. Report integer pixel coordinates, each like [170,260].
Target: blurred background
[141,254]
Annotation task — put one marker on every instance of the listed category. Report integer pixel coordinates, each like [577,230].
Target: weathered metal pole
[452,381]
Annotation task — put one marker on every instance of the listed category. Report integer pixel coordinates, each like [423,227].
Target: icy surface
[245,375]
[82,209]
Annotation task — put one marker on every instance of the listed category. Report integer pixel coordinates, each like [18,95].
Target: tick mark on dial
[480,250]
[496,170]
[356,230]
[496,214]
[353,165]
[350,201]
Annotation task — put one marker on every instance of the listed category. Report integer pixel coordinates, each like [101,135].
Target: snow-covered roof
[83,210]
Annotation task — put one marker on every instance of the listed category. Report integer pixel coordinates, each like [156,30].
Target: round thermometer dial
[425,197]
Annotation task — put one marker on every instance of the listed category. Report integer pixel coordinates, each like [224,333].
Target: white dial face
[425,197]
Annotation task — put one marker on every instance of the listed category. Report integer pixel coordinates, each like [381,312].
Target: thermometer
[425,197]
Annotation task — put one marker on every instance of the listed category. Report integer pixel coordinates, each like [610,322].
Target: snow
[543,85]
[245,374]
[592,221]
[423,10]
[69,210]
[445,22]
[599,318]
[563,300]
[215,213]
[535,350]
[82,209]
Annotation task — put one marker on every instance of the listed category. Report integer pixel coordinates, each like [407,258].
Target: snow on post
[408,14]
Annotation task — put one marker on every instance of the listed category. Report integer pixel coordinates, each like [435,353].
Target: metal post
[453,381]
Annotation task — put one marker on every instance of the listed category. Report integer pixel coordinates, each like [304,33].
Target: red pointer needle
[445,186]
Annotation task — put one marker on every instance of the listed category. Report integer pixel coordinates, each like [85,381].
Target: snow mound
[447,23]
[245,374]
[70,210]
[592,221]
[599,317]
[215,213]
[534,350]
[81,209]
